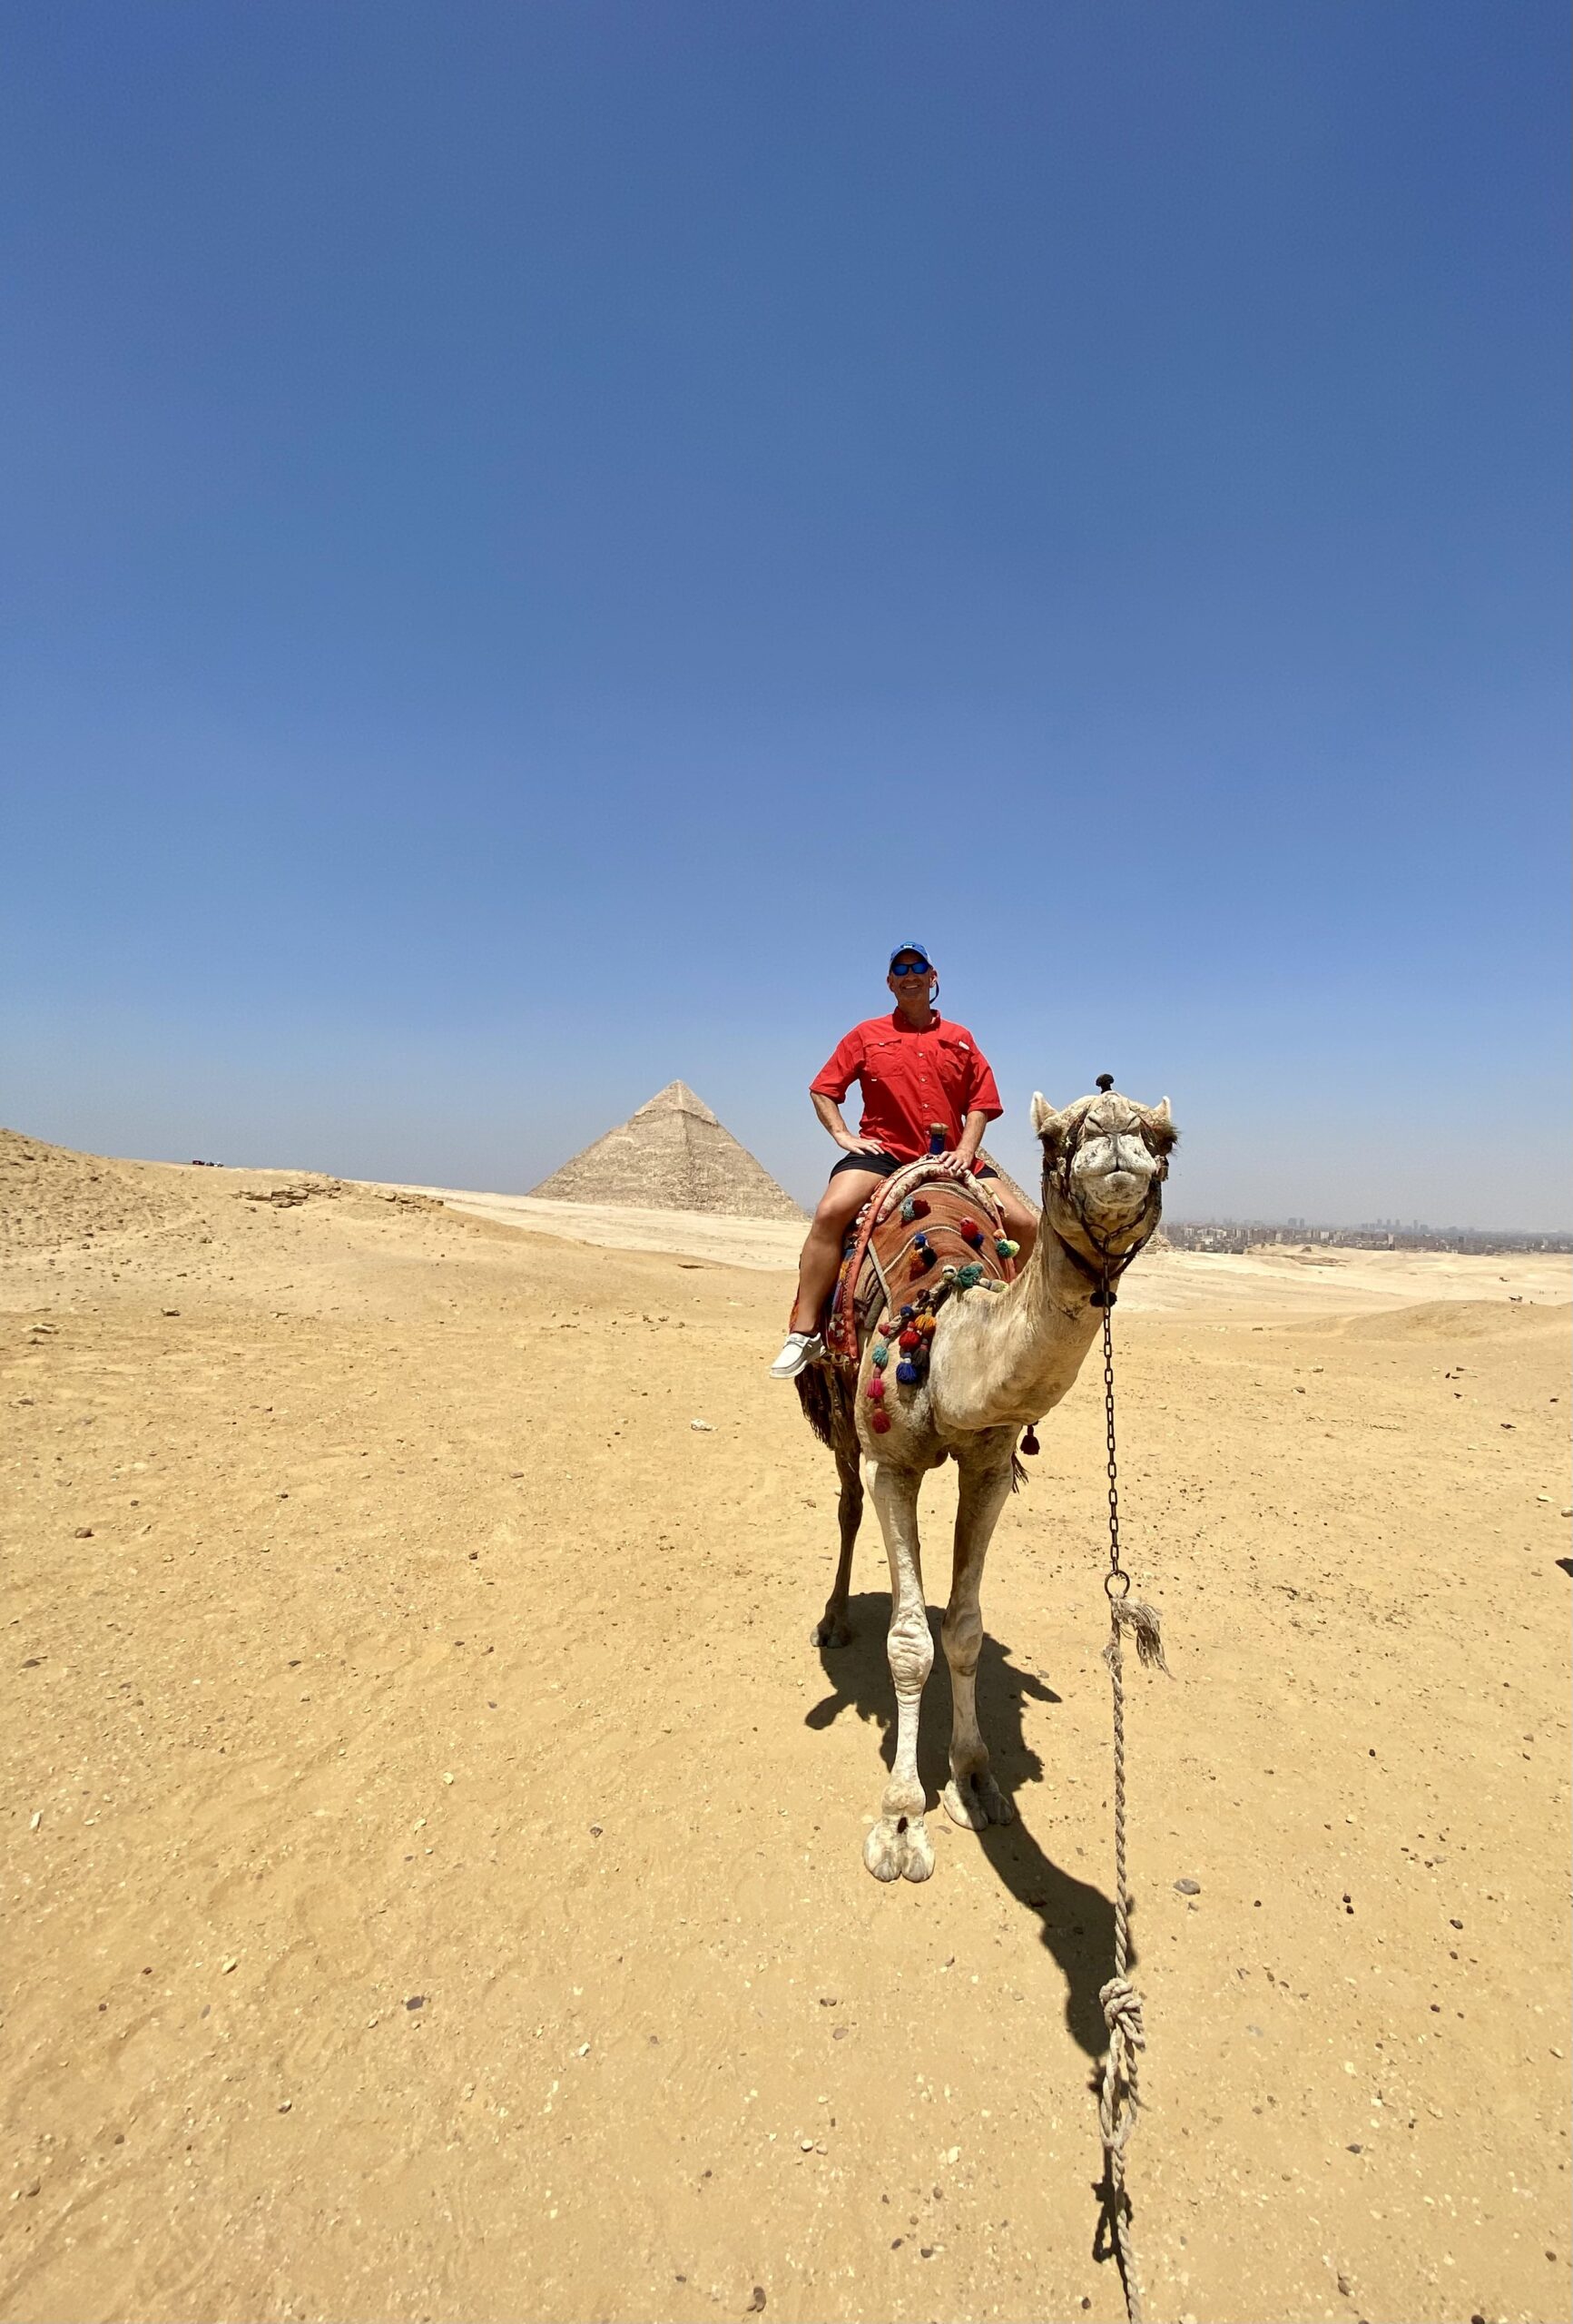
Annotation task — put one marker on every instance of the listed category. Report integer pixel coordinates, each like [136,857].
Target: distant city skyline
[542,541]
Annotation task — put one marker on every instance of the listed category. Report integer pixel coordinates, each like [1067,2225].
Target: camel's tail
[825,1394]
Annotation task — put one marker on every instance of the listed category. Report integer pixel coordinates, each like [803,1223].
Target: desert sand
[434,1883]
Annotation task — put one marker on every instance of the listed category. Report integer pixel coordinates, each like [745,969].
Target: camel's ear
[1043,1114]
[1161,1122]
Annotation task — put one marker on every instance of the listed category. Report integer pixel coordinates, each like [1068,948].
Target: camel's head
[1104,1160]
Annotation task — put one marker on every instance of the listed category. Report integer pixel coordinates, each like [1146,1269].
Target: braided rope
[1119,2098]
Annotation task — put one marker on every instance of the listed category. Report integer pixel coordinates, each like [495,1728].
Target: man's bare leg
[840,1203]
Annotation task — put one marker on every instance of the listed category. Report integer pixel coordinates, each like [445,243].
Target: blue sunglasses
[911,968]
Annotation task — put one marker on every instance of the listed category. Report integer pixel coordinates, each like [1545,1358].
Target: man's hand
[851,1145]
[955,1165]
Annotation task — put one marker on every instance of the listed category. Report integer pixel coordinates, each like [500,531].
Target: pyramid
[672,1155]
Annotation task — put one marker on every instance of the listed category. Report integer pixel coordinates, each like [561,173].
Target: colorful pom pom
[919,1208]
[907,1373]
[908,1211]
[907,1341]
[928,1324]
[879,1420]
[1006,1248]
[881,1356]
[1029,1439]
[876,1389]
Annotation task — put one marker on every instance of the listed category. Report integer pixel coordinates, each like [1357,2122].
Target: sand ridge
[434,1881]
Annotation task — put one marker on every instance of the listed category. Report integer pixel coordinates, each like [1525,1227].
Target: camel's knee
[962,1633]
[910,1646]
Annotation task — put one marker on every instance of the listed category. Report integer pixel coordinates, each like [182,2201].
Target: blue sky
[542,538]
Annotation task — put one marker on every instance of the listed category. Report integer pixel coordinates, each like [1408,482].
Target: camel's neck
[1009,1357]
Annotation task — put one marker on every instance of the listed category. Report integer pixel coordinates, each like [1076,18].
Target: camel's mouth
[1114,1176]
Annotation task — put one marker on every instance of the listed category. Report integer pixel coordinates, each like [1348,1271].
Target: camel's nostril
[900,1822]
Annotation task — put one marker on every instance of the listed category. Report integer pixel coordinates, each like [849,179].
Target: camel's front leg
[899,1843]
[972,1796]
[831,1630]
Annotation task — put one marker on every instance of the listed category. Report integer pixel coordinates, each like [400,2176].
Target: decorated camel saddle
[919,1237]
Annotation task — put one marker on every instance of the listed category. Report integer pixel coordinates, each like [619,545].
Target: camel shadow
[1075,1921]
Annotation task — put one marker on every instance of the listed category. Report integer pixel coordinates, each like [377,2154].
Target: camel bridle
[1057,1178]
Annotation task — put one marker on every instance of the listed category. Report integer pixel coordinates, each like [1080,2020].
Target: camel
[1000,1359]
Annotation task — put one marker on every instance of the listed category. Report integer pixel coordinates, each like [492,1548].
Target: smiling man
[927,1089]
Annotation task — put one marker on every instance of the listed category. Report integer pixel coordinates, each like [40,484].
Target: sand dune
[434,1883]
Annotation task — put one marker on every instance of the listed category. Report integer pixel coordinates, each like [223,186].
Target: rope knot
[1118,2100]
[1122,2008]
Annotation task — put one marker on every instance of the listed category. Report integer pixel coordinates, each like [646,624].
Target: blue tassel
[907,1373]
[880,1357]
[908,1213]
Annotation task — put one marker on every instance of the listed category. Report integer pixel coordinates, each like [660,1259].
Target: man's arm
[830,1114]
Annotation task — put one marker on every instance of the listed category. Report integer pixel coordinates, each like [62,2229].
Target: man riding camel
[923,1077]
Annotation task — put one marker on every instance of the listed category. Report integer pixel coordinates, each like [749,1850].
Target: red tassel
[879,1420]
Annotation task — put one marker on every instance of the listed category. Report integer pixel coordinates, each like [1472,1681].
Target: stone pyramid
[672,1155]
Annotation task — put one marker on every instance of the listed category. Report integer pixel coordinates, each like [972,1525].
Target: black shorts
[885,1166]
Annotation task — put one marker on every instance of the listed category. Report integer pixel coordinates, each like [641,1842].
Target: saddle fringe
[827,1395]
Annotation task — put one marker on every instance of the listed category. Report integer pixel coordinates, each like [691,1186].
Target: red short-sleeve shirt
[910,1079]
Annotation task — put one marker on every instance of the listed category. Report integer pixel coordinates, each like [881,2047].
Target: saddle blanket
[918,1237]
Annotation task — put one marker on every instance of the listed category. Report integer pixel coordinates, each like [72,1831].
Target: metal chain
[1116,1571]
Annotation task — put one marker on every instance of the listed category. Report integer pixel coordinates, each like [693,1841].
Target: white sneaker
[801,1349]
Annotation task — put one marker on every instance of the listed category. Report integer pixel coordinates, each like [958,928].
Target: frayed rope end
[1132,1614]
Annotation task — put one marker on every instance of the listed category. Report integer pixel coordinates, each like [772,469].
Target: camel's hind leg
[898,1845]
[972,1796]
[832,1629]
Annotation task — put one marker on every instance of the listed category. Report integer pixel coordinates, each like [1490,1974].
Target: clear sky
[543,537]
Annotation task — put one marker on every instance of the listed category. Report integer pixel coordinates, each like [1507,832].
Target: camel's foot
[899,1849]
[975,1801]
[832,1628]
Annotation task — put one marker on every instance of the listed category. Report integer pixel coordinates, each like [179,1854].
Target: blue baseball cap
[912,945]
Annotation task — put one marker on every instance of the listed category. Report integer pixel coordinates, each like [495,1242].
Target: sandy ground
[434,1883]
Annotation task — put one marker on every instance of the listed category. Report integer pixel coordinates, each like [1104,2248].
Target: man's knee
[840,1203]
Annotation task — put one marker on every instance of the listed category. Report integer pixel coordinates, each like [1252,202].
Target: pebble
[233,1963]
[703,1427]
[807,2145]
[416,2001]
[84,1533]
[35,1820]
[285,2104]
[1188,1888]
[756,2301]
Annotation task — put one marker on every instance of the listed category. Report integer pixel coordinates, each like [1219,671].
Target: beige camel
[999,1359]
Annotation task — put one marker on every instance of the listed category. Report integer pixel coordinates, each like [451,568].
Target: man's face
[910,976]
